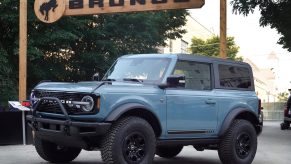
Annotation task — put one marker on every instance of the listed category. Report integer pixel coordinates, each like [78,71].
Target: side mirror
[95,77]
[174,81]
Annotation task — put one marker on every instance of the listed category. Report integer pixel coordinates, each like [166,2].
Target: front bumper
[287,119]
[65,132]
[259,128]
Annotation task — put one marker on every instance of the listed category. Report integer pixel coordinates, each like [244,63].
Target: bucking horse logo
[46,7]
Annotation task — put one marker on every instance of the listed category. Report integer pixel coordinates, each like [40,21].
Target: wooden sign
[51,10]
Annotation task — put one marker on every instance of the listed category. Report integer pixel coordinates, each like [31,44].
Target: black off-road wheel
[168,151]
[239,144]
[285,125]
[54,153]
[130,140]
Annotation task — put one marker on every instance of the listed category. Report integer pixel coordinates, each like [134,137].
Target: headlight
[32,99]
[90,103]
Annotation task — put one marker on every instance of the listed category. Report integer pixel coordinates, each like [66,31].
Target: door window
[234,77]
[197,75]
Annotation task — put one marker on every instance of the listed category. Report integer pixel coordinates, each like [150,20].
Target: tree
[283,97]
[210,47]
[275,13]
[74,48]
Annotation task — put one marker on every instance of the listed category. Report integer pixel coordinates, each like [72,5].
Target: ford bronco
[150,104]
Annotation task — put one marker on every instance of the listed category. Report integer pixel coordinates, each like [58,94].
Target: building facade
[265,82]
[182,45]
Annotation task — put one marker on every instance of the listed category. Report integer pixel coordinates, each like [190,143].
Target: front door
[192,110]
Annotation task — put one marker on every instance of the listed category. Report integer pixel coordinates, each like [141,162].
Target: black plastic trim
[115,114]
[188,132]
[70,133]
[187,142]
[231,116]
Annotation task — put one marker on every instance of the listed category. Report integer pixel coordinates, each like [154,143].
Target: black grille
[59,95]
[53,107]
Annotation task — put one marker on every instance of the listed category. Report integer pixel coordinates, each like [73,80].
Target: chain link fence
[274,111]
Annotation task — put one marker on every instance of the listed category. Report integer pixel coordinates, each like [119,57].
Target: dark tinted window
[198,76]
[234,77]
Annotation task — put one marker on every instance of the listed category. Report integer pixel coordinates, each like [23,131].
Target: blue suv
[150,104]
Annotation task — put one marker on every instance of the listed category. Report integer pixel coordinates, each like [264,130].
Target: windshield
[138,69]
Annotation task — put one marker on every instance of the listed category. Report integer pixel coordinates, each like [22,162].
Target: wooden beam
[22,49]
[51,12]
[223,26]
[88,7]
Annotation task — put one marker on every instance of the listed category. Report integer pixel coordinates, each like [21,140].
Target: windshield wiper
[109,80]
[133,79]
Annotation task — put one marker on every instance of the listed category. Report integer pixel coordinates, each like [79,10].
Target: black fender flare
[137,110]
[232,115]
[116,113]
[119,111]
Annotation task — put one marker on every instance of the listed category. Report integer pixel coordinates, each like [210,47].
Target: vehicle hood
[88,87]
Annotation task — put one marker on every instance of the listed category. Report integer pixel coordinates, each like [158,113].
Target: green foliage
[283,97]
[74,48]
[275,13]
[210,47]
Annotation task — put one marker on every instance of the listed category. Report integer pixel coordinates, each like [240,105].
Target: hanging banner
[50,11]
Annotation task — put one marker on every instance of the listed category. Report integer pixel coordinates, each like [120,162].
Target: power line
[206,45]
[202,25]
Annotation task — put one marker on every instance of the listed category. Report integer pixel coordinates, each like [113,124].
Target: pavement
[274,147]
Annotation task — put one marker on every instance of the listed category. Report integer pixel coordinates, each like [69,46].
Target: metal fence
[273,115]
[274,111]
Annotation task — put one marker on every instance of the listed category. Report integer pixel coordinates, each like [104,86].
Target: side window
[234,76]
[197,75]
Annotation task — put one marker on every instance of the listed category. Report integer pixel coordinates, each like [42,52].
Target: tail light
[26,103]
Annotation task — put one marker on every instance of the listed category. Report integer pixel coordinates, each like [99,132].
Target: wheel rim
[243,145]
[134,147]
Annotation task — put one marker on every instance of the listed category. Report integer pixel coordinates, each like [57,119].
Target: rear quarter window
[234,77]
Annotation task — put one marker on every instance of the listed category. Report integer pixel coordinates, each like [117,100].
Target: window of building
[234,77]
[197,75]
[184,46]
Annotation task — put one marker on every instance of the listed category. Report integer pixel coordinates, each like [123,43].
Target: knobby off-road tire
[285,125]
[54,153]
[168,151]
[130,140]
[239,144]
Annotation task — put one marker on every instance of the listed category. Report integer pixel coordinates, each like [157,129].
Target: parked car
[150,104]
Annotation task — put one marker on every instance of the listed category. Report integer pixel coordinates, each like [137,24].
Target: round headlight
[32,98]
[88,107]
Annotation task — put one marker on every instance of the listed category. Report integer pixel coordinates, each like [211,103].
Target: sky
[255,42]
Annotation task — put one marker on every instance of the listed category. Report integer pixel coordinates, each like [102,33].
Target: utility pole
[22,58]
[223,25]
[22,49]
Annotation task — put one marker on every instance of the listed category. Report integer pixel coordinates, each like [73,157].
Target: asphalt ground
[274,147]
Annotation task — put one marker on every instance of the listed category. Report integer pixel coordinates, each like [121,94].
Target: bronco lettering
[79,4]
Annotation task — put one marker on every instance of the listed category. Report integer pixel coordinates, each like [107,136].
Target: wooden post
[22,49]
[22,59]
[223,25]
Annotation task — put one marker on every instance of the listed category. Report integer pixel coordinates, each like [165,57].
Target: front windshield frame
[156,81]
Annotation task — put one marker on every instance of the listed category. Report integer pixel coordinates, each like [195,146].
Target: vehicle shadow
[186,160]
[180,160]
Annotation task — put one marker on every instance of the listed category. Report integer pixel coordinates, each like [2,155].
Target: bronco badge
[49,11]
